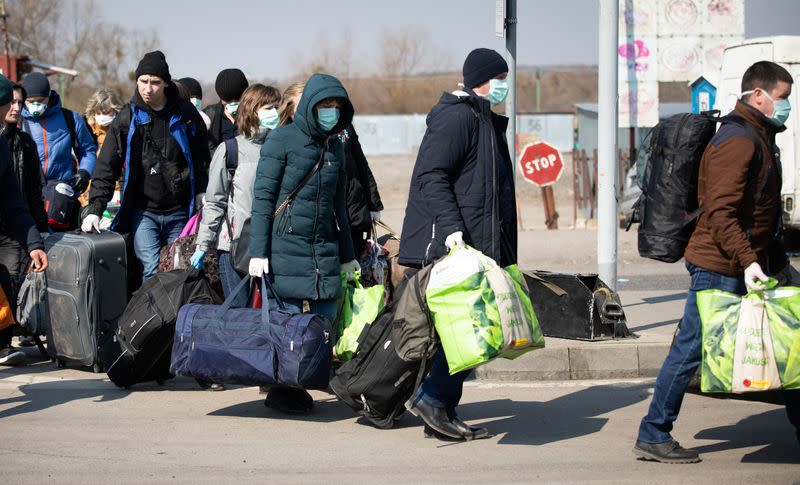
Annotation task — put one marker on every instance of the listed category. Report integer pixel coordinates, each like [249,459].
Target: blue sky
[266,38]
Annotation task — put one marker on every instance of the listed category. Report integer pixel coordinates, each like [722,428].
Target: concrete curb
[579,361]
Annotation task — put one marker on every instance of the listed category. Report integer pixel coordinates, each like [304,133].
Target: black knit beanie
[481,65]
[193,86]
[155,64]
[36,85]
[230,84]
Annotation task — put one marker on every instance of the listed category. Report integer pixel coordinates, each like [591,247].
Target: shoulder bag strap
[302,183]
[231,162]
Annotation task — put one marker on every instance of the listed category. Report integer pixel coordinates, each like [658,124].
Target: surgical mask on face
[103,120]
[268,118]
[498,90]
[232,108]
[36,109]
[327,118]
[196,103]
[780,108]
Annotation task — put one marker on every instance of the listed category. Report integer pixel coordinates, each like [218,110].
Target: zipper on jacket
[494,187]
[433,238]
[46,149]
[675,141]
[314,229]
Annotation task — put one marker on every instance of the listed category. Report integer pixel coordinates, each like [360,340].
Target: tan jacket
[741,206]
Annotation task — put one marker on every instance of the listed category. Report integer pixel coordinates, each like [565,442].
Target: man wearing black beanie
[462,192]
[160,142]
[230,85]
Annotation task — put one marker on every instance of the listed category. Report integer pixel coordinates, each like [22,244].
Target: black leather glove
[80,181]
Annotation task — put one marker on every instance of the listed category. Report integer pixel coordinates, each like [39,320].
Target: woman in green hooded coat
[299,229]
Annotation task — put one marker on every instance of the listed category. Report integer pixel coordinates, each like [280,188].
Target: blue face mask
[498,90]
[327,118]
[780,108]
[196,102]
[268,118]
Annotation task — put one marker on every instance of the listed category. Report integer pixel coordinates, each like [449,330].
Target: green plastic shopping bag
[750,343]
[360,307]
[522,333]
[480,310]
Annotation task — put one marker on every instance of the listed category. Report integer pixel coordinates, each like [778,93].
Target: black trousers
[12,259]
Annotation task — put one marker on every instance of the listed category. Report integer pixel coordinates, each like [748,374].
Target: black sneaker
[11,356]
[667,452]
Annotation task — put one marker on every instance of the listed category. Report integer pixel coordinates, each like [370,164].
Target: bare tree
[69,34]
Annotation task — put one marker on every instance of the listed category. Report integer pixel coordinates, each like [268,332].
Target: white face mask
[103,120]
[268,118]
[36,109]
[232,108]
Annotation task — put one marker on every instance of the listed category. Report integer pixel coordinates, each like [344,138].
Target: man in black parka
[462,192]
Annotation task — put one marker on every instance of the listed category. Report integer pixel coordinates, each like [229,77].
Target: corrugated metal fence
[401,134]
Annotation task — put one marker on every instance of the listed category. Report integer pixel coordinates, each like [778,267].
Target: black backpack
[141,347]
[394,353]
[667,208]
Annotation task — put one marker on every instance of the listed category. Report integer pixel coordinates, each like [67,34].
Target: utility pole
[607,143]
[4,17]
[6,51]
[506,26]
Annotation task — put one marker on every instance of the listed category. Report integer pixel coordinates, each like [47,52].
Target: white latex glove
[350,269]
[375,216]
[455,239]
[91,222]
[752,275]
[258,266]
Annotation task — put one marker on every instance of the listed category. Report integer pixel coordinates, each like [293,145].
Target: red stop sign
[541,163]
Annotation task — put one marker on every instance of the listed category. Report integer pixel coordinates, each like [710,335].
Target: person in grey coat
[229,195]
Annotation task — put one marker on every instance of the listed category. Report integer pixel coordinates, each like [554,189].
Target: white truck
[783,50]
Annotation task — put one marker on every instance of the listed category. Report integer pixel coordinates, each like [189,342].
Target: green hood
[318,87]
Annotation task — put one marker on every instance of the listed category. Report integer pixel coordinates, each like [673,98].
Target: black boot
[434,417]
[470,432]
[289,400]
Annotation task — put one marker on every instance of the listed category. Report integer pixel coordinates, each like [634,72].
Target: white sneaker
[11,356]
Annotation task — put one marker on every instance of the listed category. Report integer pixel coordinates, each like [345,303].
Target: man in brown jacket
[733,246]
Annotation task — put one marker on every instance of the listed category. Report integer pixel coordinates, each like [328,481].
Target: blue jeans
[151,231]
[440,389]
[326,308]
[229,278]
[685,357]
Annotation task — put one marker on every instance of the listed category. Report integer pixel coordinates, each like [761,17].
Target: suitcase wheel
[61,364]
[96,368]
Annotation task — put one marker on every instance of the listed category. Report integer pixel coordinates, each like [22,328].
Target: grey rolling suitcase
[86,292]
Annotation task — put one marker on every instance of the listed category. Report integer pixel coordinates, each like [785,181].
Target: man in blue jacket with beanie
[58,132]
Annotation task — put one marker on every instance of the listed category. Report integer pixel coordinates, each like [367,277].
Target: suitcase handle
[265,290]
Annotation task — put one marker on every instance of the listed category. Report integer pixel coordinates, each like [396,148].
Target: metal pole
[607,143]
[6,51]
[511,59]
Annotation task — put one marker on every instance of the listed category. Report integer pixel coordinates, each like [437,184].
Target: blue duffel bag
[250,346]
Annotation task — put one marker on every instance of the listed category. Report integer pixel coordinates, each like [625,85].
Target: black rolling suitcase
[141,348]
[86,292]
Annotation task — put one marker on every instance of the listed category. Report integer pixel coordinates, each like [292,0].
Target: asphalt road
[70,426]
